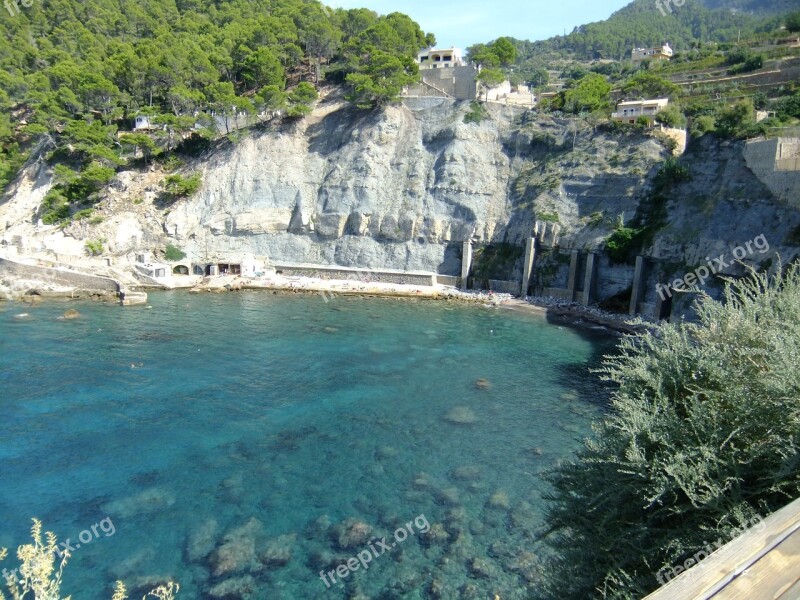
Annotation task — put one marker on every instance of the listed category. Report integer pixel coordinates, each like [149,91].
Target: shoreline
[570,314]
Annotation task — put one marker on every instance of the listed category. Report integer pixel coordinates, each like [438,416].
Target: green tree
[701,439]
[505,51]
[483,55]
[272,98]
[793,21]
[591,93]
[671,116]
[491,78]
[649,85]
[140,142]
[736,120]
[300,99]
[381,80]
[262,68]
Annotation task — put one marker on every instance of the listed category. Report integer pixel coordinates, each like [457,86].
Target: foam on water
[184,423]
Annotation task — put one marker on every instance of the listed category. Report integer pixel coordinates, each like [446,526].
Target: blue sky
[465,22]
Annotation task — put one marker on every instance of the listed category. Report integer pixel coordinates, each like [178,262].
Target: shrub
[672,171]
[94,247]
[174,253]
[703,125]
[671,116]
[702,439]
[39,575]
[178,186]
[793,21]
[86,213]
[477,113]
[55,207]
[621,243]
[549,217]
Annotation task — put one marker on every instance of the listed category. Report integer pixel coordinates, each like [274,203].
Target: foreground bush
[702,439]
[39,577]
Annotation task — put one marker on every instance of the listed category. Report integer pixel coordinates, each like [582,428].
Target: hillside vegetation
[641,23]
[75,72]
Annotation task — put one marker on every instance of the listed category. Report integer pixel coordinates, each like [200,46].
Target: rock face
[404,187]
[396,189]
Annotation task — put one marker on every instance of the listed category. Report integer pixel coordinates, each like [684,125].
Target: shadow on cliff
[336,129]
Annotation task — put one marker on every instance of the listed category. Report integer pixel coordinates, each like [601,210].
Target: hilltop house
[444,74]
[630,110]
[660,53]
[439,58]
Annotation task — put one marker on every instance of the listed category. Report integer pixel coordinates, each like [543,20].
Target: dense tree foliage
[702,438]
[641,24]
[74,72]
[649,85]
[501,52]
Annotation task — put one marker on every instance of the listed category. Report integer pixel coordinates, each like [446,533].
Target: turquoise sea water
[241,443]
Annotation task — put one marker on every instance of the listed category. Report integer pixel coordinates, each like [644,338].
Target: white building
[142,122]
[630,110]
[660,53]
[439,58]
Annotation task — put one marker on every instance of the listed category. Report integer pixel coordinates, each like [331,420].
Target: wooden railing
[762,563]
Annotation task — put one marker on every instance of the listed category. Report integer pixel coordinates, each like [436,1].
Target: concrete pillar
[466,263]
[573,274]
[637,288]
[527,271]
[590,278]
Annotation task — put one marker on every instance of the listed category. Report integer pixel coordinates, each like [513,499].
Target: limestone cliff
[402,188]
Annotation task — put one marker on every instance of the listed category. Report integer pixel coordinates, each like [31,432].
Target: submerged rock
[237,553]
[499,500]
[71,314]
[202,540]
[385,452]
[148,501]
[436,536]
[466,473]
[460,415]
[237,588]
[278,551]
[483,384]
[351,533]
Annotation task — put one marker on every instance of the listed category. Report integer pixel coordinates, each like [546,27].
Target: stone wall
[457,82]
[450,280]
[772,162]
[504,287]
[62,277]
[347,274]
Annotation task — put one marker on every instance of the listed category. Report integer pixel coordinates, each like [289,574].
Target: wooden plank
[770,577]
[706,579]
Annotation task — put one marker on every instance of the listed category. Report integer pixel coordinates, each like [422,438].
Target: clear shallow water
[183,423]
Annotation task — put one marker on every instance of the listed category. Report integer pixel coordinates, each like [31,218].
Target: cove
[242,443]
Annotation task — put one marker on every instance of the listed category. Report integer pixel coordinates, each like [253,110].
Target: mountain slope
[642,23]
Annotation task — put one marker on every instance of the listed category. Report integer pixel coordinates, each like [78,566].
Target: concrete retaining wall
[63,277]
[504,287]
[450,280]
[560,293]
[423,104]
[458,82]
[771,161]
[365,275]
